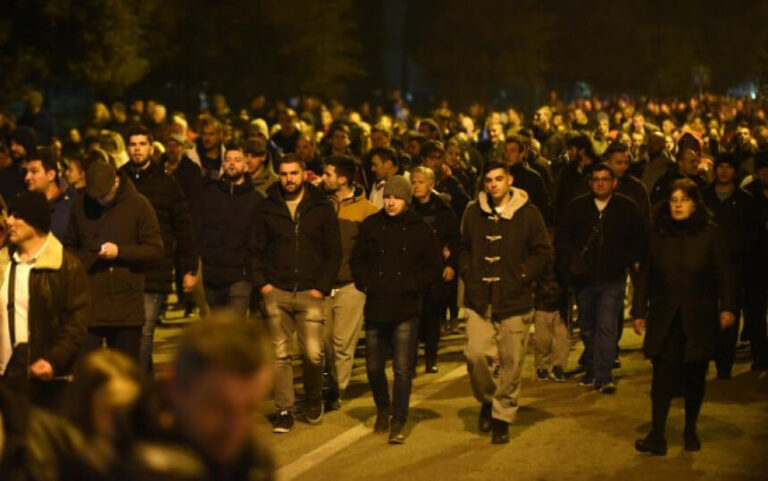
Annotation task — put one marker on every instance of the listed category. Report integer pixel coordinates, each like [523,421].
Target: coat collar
[51,258]
[518,200]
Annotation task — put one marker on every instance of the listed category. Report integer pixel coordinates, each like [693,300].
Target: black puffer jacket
[117,285]
[502,255]
[227,232]
[740,219]
[394,260]
[686,271]
[167,198]
[302,253]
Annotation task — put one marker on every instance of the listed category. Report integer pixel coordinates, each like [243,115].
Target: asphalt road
[563,431]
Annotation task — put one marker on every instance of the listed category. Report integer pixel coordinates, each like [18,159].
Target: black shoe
[587,381]
[332,401]
[315,410]
[396,435]
[607,388]
[500,432]
[653,445]
[557,374]
[382,423]
[691,442]
[484,422]
[431,369]
[542,374]
[283,423]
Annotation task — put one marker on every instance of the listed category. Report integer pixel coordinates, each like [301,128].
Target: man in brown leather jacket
[45,290]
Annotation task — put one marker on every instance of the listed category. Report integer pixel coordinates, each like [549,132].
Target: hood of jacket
[312,195]
[235,189]
[518,200]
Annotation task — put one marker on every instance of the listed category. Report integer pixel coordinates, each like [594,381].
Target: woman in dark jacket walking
[684,295]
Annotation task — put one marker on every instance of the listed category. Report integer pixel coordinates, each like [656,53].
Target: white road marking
[324,451]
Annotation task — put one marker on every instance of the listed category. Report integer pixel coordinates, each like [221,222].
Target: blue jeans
[153,306]
[236,297]
[598,306]
[401,339]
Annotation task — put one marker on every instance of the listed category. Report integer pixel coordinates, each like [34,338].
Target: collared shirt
[20,307]
[377,194]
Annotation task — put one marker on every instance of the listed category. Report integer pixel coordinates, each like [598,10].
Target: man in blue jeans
[396,257]
[600,236]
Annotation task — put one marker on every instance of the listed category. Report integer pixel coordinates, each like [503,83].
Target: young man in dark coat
[44,288]
[572,180]
[227,235]
[685,295]
[505,248]
[442,220]
[598,239]
[170,204]
[515,152]
[395,259]
[738,215]
[298,258]
[115,233]
[433,156]
[43,176]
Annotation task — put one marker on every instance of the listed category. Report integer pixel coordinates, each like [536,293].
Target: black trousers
[673,376]
[126,339]
[433,309]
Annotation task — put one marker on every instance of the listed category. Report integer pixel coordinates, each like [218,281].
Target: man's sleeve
[331,251]
[150,241]
[540,252]
[181,223]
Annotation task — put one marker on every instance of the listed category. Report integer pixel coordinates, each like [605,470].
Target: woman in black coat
[684,296]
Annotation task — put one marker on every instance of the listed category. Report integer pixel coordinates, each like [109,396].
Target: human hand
[41,369]
[639,326]
[108,250]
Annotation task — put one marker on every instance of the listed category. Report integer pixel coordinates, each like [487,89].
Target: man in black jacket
[598,240]
[687,166]
[572,179]
[298,258]
[515,152]
[504,249]
[168,200]
[395,259]
[115,233]
[737,213]
[441,219]
[227,235]
[433,156]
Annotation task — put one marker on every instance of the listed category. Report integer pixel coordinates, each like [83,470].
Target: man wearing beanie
[45,302]
[737,212]
[395,258]
[115,233]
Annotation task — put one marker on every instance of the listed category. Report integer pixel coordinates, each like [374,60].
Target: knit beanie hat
[398,186]
[32,208]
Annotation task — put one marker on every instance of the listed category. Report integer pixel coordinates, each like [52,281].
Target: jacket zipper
[296,254]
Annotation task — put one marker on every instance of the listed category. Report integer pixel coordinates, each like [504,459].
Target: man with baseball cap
[115,233]
[395,258]
[45,302]
[737,213]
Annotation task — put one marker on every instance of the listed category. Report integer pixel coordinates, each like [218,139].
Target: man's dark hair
[291,159]
[344,166]
[231,147]
[616,147]
[582,142]
[47,160]
[225,342]
[602,166]
[338,125]
[431,146]
[386,153]
[139,130]
[493,166]
[522,142]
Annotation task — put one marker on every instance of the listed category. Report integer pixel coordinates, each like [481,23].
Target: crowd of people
[315,222]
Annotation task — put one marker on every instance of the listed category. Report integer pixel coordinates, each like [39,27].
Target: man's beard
[234,178]
[292,195]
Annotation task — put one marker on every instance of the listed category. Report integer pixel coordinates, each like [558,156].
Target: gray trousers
[344,321]
[298,313]
[551,340]
[486,340]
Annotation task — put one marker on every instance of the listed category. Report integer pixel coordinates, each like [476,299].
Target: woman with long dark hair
[684,296]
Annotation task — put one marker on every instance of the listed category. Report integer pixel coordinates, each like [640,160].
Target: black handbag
[577,264]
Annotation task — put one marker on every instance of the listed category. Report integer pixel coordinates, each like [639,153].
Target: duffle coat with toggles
[502,253]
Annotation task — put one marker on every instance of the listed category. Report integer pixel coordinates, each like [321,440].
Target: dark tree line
[456,49]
